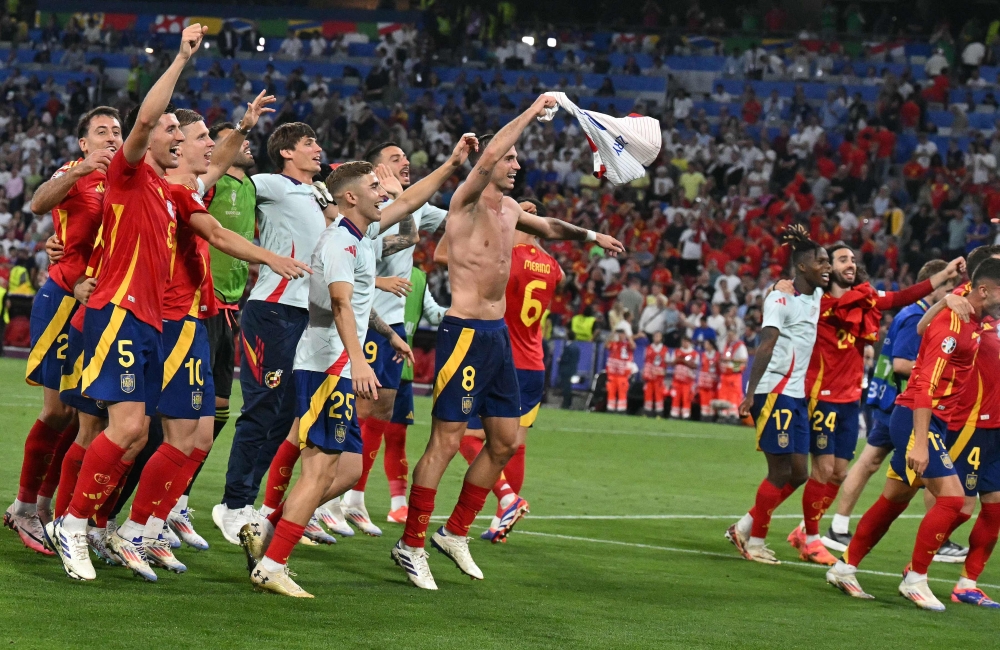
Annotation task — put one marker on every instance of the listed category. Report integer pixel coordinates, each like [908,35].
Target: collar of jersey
[294,182]
[351,228]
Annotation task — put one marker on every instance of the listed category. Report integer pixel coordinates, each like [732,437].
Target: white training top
[795,318]
[343,254]
[290,222]
[390,307]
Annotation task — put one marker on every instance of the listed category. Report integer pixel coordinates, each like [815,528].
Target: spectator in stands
[607,88]
[317,45]
[292,46]
[227,40]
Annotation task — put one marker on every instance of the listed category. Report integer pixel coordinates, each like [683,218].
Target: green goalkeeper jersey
[232,204]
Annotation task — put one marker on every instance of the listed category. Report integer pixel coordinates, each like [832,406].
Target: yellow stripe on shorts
[765,415]
[450,367]
[48,337]
[180,351]
[71,381]
[529,418]
[110,333]
[316,404]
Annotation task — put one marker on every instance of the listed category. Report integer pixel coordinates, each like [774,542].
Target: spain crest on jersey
[946,461]
[196,399]
[971,480]
[782,439]
[273,378]
[821,441]
[340,432]
[128,382]
[466,405]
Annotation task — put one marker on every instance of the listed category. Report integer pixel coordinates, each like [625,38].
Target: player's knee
[838,476]
[502,450]
[56,414]
[969,506]
[797,477]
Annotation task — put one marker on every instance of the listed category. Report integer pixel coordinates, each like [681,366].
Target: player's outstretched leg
[982,541]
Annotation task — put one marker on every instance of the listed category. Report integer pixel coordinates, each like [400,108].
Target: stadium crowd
[701,228]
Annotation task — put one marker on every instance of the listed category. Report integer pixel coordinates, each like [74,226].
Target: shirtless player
[475,367]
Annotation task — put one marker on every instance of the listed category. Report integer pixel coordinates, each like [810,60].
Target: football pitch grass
[624,547]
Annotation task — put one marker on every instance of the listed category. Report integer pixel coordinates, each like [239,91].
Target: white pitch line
[645,517]
[727,556]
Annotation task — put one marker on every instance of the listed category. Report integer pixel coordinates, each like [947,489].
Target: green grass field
[624,548]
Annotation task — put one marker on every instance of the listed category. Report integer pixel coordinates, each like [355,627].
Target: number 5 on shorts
[125,358]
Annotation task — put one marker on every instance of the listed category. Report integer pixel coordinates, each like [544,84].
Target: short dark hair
[346,174]
[133,115]
[219,127]
[286,137]
[484,140]
[375,152]
[988,270]
[931,268]
[186,116]
[83,125]
[539,206]
[980,255]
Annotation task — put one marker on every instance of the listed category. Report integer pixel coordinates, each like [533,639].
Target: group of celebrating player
[935,410]
[133,340]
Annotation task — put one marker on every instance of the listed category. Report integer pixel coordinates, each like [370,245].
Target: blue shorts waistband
[476,324]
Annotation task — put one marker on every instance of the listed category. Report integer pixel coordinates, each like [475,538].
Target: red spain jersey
[190,291]
[654,364]
[76,221]
[846,325]
[944,365]
[979,402]
[683,373]
[708,376]
[619,358]
[138,231]
[534,276]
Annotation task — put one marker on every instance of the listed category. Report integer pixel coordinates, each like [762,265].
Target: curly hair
[797,237]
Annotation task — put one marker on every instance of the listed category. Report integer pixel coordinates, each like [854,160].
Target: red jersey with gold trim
[138,229]
[534,276]
[190,291]
[619,358]
[76,221]
[944,365]
[846,325]
[979,402]
[654,363]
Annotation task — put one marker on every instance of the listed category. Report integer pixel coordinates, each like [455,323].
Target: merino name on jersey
[795,317]
[342,254]
[534,276]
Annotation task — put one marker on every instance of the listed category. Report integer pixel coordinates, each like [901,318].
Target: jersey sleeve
[268,187]
[430,217]
[122,170]
[339,259]
[908,296]
[775,308]
[188,201]
[937,351]
[376,245]
[906,342]
[373,231]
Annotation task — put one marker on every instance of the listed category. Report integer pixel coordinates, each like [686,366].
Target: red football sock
[873,526]
[94,485]
[371,439]
[470,501]
[117,482]
[502,488]
[961,519]
[286,536]
[514,471]
[814,504]
[470,448]
[418,517]
[280,473]
[51,482]
[161,470]
[982,540]
[394,461]
[275,517]
[934,530]
[39,447]
[67,478]
[180,483]
[769,497]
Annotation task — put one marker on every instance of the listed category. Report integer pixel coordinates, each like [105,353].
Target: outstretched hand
[191,39]
[466,145]
[610,244]
[388,180]
[256,108]
[543,102]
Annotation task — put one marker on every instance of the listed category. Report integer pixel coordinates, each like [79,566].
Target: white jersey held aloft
[290,222]
[795,318]
[389,306]
[343,254]
[623,146]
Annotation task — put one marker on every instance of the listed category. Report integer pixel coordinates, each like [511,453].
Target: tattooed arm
[403,351]
[405,238]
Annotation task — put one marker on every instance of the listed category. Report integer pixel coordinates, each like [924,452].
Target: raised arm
[908,296]
[550,228]
[235,245]
[469,191]
[225,153]
[158,97]
[768,337]
[51,193]
[958,304]
[421,192]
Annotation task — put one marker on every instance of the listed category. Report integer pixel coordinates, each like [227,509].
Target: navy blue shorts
[474,371]
[878,435]
[379,355]
[51,312]
[834,429]
[402,408]
[977,459]
[782,423]
[69,386]
[188,385]
[531,384]
[325,407]
[122,358]
[939,462]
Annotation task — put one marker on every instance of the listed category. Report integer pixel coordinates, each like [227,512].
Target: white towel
[622,146]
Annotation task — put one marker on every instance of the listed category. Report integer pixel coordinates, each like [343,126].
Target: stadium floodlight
[260,48]
[551,42]
[528,40]
[206,45]
[260,41]
[149,50]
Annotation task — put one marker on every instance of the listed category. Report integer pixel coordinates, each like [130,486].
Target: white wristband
[591,236]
